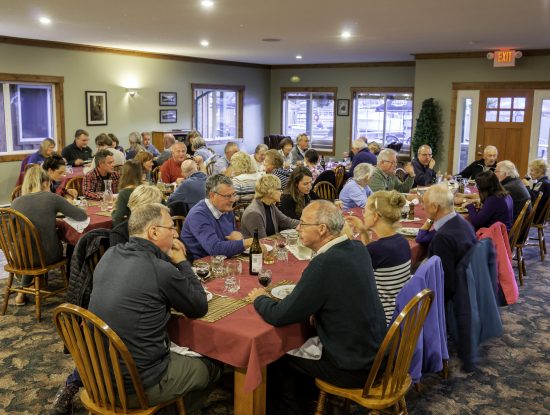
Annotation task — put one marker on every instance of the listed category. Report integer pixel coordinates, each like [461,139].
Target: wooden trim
[59,97]
[384,89]
[501,85]
[127,52]
[239,89]
[310,89]
[476,54]
[452,123]
[346,65]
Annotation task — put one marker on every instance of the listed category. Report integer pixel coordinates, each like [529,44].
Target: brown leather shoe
[63,401]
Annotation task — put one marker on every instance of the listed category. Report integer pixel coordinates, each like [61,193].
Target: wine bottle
[256,255]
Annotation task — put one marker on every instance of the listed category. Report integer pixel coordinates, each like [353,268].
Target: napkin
[312,349]
[78,225]
[300,252]
[184,351]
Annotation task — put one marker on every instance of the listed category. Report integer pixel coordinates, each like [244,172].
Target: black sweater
[338,287]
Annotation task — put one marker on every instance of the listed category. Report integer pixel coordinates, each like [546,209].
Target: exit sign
[504,58]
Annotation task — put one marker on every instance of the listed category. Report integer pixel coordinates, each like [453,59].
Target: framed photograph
[96,108]
[168,116]
[168,99]
[342,107]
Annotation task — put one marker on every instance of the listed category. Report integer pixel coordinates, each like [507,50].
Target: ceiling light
[44,20]
[298,56]
[204,42]
[346,34]
[207,4]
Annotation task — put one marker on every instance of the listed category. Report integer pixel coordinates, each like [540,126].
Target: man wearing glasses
[135,286]
[423,166]
[209,228]
[384,177]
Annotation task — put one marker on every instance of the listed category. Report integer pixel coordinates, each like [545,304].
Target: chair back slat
[16,192]
[76,184]
[98,357]
[340,173]
[325,190]
[516,227]
[179,220]
[398,346]
[524,233]
[210,167]
[155,174]
[543,214]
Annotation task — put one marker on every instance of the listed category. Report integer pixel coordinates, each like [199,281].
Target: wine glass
[264,277]
[282,254]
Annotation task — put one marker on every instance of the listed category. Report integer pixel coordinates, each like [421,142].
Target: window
[310,111]
[505,109]
[218,110]
[384,117]
[28,114]
[544,130]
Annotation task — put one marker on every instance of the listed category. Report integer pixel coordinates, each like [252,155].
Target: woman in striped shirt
[390,253]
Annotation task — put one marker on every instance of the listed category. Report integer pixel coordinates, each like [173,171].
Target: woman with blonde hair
[46,150]
[141,195]
[538,169]
[134,138]
[262,213]
[131,178]
[390,253]
[41,206]
[244,177]
[145,158]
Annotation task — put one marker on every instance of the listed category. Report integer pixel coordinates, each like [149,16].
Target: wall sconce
[132,92]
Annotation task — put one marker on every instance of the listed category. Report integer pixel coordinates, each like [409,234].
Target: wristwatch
[430,221]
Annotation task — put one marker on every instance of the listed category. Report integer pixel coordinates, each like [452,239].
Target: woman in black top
[297,194]
[54,166]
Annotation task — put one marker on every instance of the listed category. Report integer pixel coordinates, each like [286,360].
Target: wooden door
[505,122]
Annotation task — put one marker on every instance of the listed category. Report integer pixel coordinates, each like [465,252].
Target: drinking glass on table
[232,282]
[269,251]
[292,239]
[217,265]
[264,277]
[282,253]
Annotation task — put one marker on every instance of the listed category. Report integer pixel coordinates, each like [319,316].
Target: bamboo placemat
[103,213]
[221,306]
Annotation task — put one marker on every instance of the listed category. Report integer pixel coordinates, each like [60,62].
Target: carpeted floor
[513,375]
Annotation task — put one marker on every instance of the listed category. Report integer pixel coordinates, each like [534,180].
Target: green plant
[428,127]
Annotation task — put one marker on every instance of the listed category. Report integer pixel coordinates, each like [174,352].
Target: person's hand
[177,253]
[431,164]
[527,183]
[409,169]
[255,293]
[356,224]
[234,236]
[247,242]
[73,193]
[78,162]
[179,180]
[427,225]
[339,204]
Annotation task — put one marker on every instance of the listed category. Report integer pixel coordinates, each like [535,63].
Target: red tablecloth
[70,235]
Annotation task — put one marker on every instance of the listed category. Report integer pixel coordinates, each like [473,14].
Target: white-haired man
[361,154]
[423,166]
[338,289]
[170,171]
[384,177]
[298,152]
[222,163]
[488,162]
[167,140]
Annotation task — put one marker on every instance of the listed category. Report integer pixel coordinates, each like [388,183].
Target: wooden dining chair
[514,235]
[76,184]
[340,173]
[16,192]
[24,254]
[210,166]
[101,358]
[325,190]
[538,223]
[238,211]
[155,174]
[179,220]
[386,388]
[522,239]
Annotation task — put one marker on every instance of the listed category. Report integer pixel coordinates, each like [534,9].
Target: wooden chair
[22,247]
[538,223]
[514,235]
[325,190]
[76,184]
[521,241]
[238,210]
[387,389]
[100,355]
[340,173]
[16,192]
[155,174]
[178,222]
[210,166]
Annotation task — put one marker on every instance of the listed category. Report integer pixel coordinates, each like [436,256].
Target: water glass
[292,239]
[269,252]
[218,266]
[282,253]
[232,281]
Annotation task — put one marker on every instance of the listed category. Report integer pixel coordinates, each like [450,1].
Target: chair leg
[445,369]
[37,296]
[403,406]
[7,293]
[181,406]
[521,264]
[542,242]
[321,403]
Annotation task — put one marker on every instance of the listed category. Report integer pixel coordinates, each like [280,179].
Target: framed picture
[96,108]
[342,107]
[168,116]
[168,99]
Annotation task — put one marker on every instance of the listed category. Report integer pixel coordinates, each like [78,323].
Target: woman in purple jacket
[495,203]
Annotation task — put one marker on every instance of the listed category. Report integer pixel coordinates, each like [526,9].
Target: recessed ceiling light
[204,42]
[346,34]
[44,20]
[298,56]
[207,4]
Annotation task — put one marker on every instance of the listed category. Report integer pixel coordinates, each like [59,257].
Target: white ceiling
[382,30]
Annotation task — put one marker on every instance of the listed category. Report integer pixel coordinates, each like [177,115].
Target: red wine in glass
[202,273]
[264,277]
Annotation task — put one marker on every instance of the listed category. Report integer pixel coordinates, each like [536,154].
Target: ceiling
[381,30]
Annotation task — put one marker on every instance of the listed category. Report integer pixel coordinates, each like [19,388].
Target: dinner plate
[408,231]
[268,248]
[282,291]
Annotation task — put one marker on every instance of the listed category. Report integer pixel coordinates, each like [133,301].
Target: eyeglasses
[229,196]
[173,228]
[427,154]
[393,163]
[308,224]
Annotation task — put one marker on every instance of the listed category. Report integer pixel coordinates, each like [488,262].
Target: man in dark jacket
[509,178]
[78,152]
[488,162]
[423,166]
[338,289]
[361,154]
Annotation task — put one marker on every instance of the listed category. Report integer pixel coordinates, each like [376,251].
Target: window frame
[57,89]
[239,89]
[333,90]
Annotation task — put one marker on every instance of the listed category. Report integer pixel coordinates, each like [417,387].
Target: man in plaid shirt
[93,186]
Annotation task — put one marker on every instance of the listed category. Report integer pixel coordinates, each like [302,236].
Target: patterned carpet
[513,375]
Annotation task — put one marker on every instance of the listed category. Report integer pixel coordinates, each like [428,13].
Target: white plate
[409,231]
[209,295]
[268,248]
[282,291]
[287,232]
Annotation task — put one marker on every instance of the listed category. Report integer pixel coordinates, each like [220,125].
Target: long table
[244,341]
[97,220]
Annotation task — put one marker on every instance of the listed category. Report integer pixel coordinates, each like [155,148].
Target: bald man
[488,162]
[193,188]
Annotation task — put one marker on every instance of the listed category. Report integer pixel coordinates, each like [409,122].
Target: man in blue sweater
[210,228]
[337,292]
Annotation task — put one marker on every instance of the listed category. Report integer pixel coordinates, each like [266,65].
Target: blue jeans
[74,380]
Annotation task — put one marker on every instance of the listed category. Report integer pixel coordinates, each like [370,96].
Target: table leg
[247,403]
